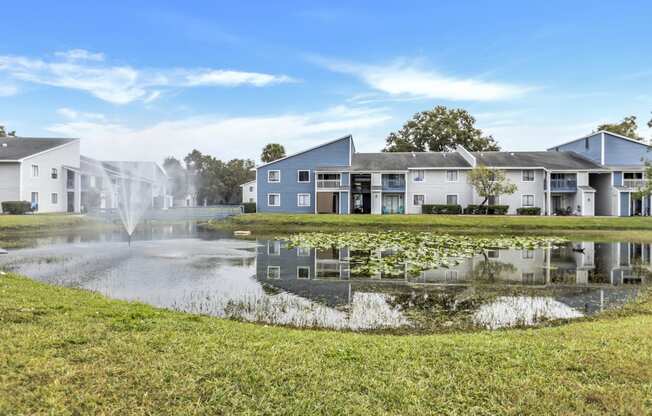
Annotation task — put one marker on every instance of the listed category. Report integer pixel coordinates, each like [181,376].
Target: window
[35,201]
[528,277]
[303,176]
[273,272]
[251,189]
[527,254]
[273,200]
[451,275]
[493,254]
[55,173]
[493,200]
[273,176]
[303,200]
[303,251]
[451,176]
[303,272]
[419,176]
[451,199]
[274,248]
[34,171]
[528,175]
[418,199]
[55,199]
[528,201]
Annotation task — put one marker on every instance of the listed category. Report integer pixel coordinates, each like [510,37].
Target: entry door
[392,204]
[71,202]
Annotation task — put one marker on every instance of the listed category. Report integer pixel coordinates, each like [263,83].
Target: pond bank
[72,351]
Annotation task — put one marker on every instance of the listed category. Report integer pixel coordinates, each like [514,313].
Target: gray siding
[624,204]
[336,153]
[593,151]
[619,151]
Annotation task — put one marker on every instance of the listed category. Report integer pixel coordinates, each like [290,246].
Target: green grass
[66,351]
[40,221]
[594,228]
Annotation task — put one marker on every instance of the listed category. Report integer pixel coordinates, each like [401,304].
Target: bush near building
[486,209]
[441,209]
[529,211]
[16,207]
[249,207]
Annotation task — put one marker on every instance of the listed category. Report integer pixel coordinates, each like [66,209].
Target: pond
[280,282]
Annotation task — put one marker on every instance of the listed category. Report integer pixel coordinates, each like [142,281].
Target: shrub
[441,209]
[486,209]
[529,211]
[16,207]
[249,207]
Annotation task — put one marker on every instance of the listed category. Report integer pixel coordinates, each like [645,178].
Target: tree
[646,189]
[490,182]
[179,179]
[4,133]
[627,127]
[438,130]
[272,152]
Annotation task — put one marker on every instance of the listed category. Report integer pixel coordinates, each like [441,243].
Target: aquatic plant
[394,252]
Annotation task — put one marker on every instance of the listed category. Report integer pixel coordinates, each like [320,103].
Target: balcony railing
[635,183]
[328,183]
[563,184]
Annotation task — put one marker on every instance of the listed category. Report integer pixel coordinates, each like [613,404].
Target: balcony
[563,185]
[393,183]
[635,183]
[328,183]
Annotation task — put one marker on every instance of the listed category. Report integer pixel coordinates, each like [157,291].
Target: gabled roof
[548,160]
[406,160]
[619,136]
[349,137]
[17,148]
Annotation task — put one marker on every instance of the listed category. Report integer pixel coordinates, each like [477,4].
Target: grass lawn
[66,351]
[626,228]
[40,221]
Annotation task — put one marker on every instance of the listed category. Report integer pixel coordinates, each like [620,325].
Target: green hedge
[486,209]
[249,207]
[441,209]
[529,211]
[16,207]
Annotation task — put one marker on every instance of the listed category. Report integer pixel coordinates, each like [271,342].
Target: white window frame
[35,171]
[279,199]
[54,172]
[457,175]
[527,254]
[414,176]
[421,195]
[454,275]
[303,251]
[303,170]
[534,175]
[278,268]
[494,250]
[528,274]
[496,202]
[304,194]
[279,176]
[303,268]
[275,244]
[251,188]
[457,198]
[534,201]
[53,196]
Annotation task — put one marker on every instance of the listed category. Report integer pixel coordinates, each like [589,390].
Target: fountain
[131,192]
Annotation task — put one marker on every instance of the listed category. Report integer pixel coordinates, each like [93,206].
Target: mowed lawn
[37,221]
[67,351]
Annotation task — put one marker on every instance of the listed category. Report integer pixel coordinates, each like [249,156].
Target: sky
[145,80]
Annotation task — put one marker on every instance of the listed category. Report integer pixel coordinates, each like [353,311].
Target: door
[71,202]
[589,204]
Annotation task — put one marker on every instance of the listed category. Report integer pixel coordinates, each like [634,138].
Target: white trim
[303,170]
[273,243]
[457,175]
[274,267]
[37,170]
[303,267]
[534,176]
[496,250]
[279,199]
[602,132]
[534,201]
[602,148]
[416,205]
[279,175]
[457,197]
[309,195]
[307,150]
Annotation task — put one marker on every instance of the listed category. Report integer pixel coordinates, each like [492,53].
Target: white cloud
[8,90]
[71,114]
[81,55]
[407,80]
[82,70]
[222,137]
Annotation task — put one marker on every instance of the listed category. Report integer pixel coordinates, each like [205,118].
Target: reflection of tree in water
[491,270]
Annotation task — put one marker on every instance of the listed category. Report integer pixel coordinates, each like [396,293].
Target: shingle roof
[21,147]
[548,160]
[405,160]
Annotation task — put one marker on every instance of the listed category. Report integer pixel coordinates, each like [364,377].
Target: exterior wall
[333,154]
[67,155]
[249,192]
[603,194]
[514,200]
[436,187]
[624,204]
[9,182]
[617,178]
[619,151]
[593,152]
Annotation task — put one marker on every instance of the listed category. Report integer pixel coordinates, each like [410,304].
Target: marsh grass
[67,351]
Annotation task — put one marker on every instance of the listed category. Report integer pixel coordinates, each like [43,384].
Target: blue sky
[151,79]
